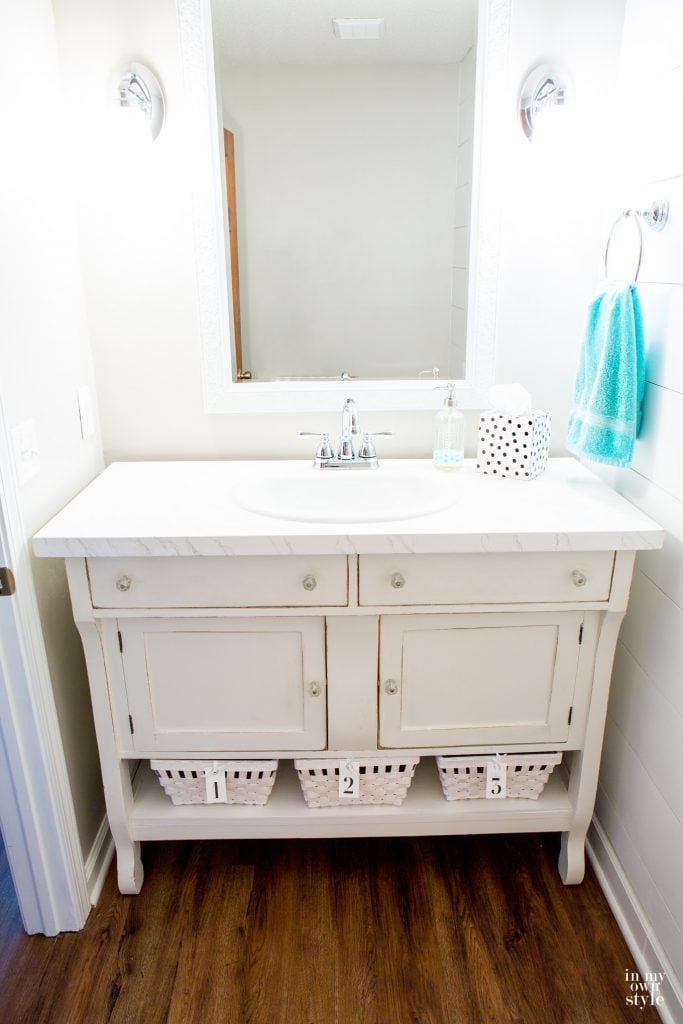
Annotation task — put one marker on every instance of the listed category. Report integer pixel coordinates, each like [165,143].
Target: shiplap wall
[640,800]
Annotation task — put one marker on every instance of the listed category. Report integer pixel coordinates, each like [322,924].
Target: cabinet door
[225,684]
[450,680]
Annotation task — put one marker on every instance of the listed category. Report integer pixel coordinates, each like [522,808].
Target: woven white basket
[246,782]
[383,780]
[464,778]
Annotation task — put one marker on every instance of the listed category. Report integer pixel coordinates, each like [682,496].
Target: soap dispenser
[449,439]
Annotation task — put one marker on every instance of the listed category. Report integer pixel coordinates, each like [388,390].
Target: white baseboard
[647,953]
[98,861]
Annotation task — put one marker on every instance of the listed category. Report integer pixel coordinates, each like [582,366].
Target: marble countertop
[188,508]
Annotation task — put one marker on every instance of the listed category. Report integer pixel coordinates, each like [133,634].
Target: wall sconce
[542,89]
[139,91]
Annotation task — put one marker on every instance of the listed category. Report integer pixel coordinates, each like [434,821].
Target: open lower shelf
[287,815]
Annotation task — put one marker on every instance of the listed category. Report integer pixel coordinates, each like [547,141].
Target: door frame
[37,815]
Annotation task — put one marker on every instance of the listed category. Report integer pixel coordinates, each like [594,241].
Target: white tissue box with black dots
[513,445]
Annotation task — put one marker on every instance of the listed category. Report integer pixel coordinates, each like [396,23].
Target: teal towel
[610,380]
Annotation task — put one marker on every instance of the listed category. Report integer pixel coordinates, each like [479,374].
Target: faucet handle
[367,449]
[324,450]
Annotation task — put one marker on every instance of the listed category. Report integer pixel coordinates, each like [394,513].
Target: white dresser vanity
[211,631]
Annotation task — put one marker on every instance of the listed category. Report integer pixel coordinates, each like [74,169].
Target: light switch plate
[85,412]
[26,453]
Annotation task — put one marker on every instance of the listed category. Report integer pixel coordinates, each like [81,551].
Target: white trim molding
[647,953]
[36,806]
[98,860]
[221,393]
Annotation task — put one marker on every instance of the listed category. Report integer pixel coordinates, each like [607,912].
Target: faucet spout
[350,424]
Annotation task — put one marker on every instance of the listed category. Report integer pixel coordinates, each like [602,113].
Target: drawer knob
[123,583]
[309,582]
[314,689]
[397,581]
[578,578]
[391,687]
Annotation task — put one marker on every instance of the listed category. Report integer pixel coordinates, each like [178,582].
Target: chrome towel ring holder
[655,216]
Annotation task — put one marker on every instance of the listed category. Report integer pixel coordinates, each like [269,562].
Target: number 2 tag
[349,780]
[496,780]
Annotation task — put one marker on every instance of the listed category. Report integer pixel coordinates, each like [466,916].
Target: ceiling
[300,31]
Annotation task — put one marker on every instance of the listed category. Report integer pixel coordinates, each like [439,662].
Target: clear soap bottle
[449,439]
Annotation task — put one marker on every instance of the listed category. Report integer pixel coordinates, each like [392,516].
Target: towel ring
[655,216]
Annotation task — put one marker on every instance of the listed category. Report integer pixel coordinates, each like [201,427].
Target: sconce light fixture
[542,89]
[139,91]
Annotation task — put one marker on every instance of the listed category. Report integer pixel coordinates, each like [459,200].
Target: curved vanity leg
[572,862]
[585,763]
[130,872]
[116,770]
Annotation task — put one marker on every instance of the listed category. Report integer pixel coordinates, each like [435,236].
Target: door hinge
[130,722]
[581,633]
[7,583]
[569,716]
[120,641]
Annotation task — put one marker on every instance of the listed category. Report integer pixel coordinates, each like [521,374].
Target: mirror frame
[224,395]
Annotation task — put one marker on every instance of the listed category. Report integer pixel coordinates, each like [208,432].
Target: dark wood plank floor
[474,930]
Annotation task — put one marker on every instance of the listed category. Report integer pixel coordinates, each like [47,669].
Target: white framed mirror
[471,361]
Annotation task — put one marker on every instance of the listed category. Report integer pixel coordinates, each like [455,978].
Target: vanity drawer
[268,581]
[484,578]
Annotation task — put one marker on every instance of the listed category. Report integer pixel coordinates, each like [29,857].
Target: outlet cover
[26,453]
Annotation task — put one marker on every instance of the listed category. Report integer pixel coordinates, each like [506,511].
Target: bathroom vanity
[212,630]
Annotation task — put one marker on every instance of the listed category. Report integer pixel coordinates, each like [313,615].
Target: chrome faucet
[346,457]
[349,428]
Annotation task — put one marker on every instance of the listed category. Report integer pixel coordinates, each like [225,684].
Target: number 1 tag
[496,780]
[216,790]
[349,780]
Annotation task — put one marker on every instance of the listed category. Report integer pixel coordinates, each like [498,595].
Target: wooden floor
[473,930]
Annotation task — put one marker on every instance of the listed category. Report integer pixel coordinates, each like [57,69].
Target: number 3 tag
[496,780]
[349,780]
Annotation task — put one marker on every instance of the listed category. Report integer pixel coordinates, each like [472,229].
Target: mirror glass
[347,138]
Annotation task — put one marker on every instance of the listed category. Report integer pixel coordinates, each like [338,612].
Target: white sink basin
[350,495]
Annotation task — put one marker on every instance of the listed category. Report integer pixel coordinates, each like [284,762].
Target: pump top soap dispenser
[449,440]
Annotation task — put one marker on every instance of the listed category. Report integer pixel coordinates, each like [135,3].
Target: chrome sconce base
[543,88]
[139,90]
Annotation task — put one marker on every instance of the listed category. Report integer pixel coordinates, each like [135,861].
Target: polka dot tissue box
[513,444]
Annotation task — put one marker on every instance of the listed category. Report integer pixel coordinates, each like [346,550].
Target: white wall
[346,179]
[45,354]
[640,803]
[138,244]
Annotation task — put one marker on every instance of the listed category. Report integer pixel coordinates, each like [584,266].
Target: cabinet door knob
[397,580]
[309,582]
[314,689]
[123,583]
[578,578]
[391,687]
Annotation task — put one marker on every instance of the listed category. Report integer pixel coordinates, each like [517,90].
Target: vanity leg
[117,772]
[585,763]
[572,862]
[129,868]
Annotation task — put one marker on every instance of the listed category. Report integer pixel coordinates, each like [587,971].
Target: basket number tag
[496,780]
[216,790]
[349,780]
